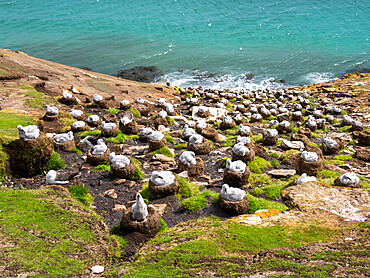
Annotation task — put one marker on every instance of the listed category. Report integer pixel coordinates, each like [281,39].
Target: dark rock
[141,74]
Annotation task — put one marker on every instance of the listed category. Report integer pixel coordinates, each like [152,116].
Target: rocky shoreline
[273,127]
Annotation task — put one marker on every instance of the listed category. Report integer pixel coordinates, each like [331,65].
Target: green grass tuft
[170,120]
[55,162]
[81,194]
[343,157]
[137,175]
[36,99]
[289,154]
[258,165]
[135,112]
[89,133]
[180,146]
[186,188]
[77,151]
[169,139]
[276,155]
[164,150]
[120,138]
[327,177]
[49,234]
[275,164]
[102,168]
[344,129]
[230,140]
[164,226]
[199,201]
[112,110]
[257,204]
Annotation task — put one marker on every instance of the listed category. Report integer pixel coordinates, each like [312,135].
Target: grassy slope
[210,247]
[48,234]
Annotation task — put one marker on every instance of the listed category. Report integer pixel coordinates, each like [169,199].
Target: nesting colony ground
[321,236]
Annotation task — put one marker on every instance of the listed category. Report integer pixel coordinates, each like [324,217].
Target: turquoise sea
[196,42]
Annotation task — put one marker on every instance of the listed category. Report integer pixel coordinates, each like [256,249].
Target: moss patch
[164,150]
[209,245]
[120,138]
[258,165]
[55,162]
[89,133]
[51,235]
[198,201]
[102,168]
[81,194]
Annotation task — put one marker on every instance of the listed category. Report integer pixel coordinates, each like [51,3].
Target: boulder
[29,157]
[288,145]
[234,208]
[150,226]
[350,203]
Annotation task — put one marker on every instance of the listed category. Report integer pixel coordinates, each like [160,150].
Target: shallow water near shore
[218,44]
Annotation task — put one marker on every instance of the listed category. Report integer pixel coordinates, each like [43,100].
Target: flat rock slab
[282,173]
[349,203]
[287,145]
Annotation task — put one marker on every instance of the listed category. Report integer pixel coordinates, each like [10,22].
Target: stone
[119,181]
[97,269]
[110,193]
[283,117]
[349,203]
[118,208]
[287,145]
[130,184]
[282,173]
[334,168]
[163,159]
